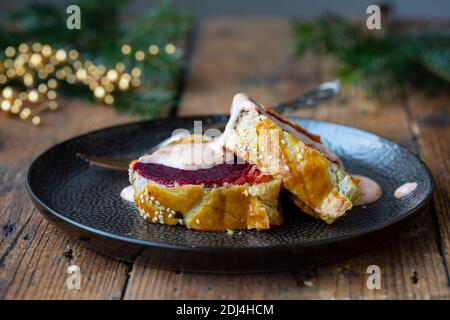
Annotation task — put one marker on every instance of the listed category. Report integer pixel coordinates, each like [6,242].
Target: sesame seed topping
[197,221]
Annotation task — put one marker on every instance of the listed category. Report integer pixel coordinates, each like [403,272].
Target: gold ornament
[7,93]
[99,92]
[33,96]
[153,49]
[39,67]
[36,120]
[61,55]
[170,48]
[126,49]
[139,55]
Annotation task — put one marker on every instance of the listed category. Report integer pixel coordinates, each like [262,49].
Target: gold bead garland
[41,69]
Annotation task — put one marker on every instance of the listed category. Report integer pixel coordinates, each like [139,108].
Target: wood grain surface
[34,255]
[233,55]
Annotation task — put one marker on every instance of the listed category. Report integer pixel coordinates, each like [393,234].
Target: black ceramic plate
[85,201]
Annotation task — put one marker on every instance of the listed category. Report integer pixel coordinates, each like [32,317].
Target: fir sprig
[103,31]
[380,62]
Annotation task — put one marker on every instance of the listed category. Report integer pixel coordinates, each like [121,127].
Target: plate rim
[214,249]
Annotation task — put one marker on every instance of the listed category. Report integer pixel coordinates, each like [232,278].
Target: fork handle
[323,92]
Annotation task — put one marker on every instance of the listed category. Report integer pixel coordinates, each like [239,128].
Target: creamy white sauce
[127,193]
[405,189]
[195,156]
[370,190]
[190,156]
[241,102]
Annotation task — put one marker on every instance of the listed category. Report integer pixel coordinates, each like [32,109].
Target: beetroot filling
[217,175]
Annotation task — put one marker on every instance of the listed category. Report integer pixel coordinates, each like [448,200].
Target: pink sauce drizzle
[127,194]
[405,189]
[370,190]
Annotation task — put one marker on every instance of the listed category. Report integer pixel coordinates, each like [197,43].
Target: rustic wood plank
[253,55]
[34,255]
[430,119]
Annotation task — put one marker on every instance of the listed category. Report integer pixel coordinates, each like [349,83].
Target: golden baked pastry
[313,175]
[222,197]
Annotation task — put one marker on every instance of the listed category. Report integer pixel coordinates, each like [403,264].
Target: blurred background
[133,55]
[419,9]
[439,9]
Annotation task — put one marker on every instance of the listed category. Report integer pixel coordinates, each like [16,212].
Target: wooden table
[232,55]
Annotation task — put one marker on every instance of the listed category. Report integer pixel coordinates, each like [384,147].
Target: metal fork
[323,92]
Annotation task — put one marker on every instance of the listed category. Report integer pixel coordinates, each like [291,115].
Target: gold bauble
[33,96]
[61,55]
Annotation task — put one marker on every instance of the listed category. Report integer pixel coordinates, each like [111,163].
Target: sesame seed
[152,198]
[197,221]
[157,202]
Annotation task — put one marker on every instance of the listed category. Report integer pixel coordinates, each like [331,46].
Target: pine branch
[380,63]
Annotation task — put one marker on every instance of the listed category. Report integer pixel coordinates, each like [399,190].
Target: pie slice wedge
[314,176]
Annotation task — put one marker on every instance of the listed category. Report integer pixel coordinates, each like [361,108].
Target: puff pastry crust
[320,187]
[200,207]
[228,207]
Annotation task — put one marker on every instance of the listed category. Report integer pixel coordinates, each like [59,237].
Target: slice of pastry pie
[313,175]
[172,187]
